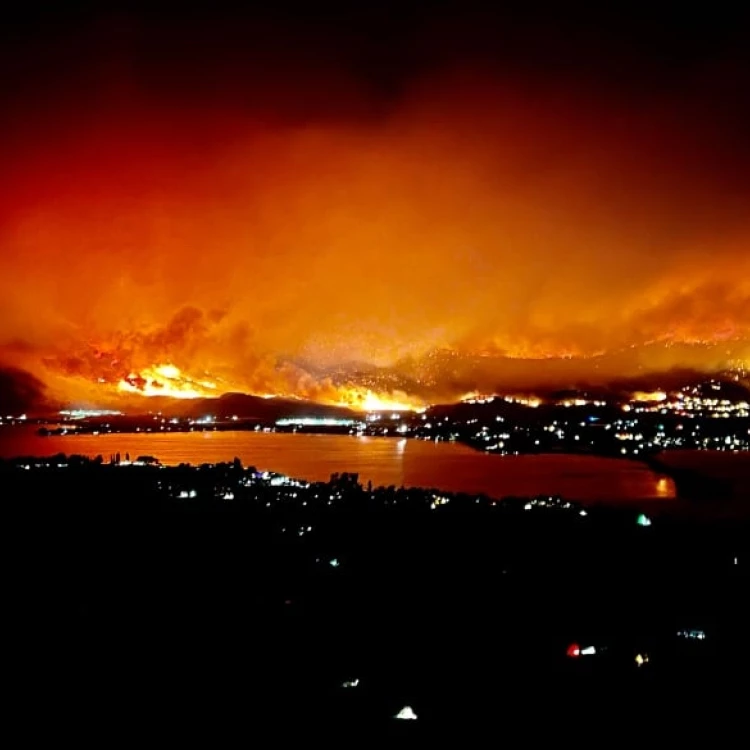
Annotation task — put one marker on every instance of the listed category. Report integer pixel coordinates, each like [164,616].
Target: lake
[452,467]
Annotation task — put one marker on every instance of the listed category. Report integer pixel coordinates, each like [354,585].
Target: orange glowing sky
[254,232]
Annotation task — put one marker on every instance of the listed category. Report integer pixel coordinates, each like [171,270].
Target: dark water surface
[385,461]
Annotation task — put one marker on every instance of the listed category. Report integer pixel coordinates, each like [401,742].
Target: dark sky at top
[659,48]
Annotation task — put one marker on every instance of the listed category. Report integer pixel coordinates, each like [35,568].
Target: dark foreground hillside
[333,610]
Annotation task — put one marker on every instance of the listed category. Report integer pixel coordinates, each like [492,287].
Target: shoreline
[649,459]
[694,484]
[680,508]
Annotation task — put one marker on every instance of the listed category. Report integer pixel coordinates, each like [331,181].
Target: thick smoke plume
[238,230]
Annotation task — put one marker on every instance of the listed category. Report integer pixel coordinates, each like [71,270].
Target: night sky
[262,199]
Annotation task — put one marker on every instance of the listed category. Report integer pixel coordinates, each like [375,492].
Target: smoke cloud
[20,392]
[276,232]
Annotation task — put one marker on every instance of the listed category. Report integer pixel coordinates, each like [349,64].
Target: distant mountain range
[244,406]
[442,376]
[445,375]
[270,409]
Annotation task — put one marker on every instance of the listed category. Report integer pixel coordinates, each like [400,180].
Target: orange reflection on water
[665,487]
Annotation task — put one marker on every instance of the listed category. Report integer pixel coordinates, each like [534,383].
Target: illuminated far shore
[316,422]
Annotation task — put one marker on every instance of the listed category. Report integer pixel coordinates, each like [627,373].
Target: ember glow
[655,396]
[282,223]
[368,401]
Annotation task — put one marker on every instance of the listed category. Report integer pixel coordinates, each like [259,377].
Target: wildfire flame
[372,402]
[169,381]
[648,397]
[166,380]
